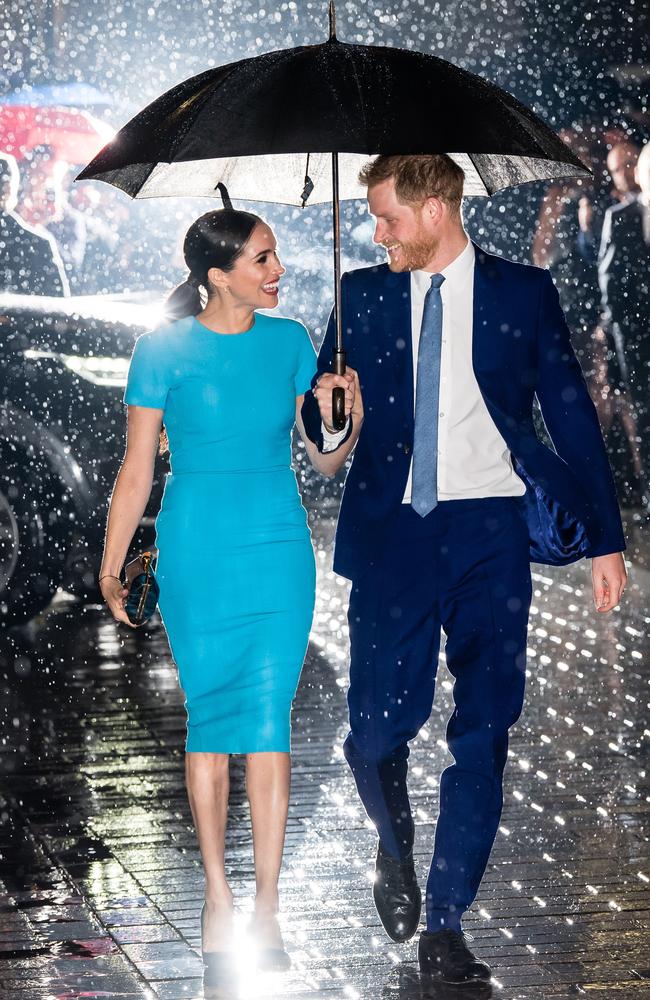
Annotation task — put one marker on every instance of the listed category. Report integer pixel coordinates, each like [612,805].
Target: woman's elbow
[325,468]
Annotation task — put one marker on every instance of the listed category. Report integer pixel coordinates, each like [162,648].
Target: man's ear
[433,209]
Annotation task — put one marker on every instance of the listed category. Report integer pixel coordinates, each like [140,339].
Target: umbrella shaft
[339,353]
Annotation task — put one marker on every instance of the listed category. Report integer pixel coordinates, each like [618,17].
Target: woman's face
[254,279]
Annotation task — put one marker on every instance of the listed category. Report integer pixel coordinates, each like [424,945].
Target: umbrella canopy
[354,100]
[248,126]
[73,135]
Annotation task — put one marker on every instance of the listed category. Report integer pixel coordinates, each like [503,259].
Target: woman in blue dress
[235,565]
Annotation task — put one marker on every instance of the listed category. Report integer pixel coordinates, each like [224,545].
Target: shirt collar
[458,270]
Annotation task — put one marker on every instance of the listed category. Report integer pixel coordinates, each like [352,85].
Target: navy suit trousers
[464,567]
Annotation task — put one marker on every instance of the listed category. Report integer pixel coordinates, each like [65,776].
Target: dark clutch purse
[143,588]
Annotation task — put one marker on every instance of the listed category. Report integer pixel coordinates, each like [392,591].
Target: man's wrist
[330,430]
[332,439]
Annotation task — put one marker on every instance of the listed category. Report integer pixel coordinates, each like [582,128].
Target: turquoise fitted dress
[236,565]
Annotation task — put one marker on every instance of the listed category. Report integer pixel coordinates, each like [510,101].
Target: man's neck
[451,245]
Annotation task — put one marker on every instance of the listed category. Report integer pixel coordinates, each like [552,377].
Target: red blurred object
[75,136]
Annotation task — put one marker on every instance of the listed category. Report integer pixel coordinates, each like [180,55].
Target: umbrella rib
[485,184]
[363,106]
[197,107]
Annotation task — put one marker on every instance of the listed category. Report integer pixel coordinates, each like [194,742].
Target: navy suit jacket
[520,349]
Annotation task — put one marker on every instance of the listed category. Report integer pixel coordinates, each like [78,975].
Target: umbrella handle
[338,394]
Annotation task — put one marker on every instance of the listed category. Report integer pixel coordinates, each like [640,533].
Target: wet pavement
[99,868]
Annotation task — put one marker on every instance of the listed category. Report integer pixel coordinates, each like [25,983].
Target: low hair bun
[184,300]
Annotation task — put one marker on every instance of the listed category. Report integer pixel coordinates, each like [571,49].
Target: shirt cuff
[332,441]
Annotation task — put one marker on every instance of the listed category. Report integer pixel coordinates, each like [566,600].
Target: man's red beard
[414,255]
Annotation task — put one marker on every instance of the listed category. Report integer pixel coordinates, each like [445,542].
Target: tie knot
[437,280]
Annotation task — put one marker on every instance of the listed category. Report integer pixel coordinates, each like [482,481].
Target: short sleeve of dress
[147,382]
[306,364]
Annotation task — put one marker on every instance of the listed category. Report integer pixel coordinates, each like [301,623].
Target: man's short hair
[418,178]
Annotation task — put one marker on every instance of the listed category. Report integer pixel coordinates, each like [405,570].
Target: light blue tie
[424,495]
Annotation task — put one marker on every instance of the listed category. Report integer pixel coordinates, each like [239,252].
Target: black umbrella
[297,124]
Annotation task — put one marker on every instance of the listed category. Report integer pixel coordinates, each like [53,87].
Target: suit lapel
[396,342]
[484,314]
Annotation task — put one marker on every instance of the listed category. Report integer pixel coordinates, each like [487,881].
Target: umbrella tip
[332,37]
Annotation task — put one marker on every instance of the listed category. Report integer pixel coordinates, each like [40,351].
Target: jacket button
[407,449]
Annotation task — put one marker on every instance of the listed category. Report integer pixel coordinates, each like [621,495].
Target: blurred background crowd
[63,238]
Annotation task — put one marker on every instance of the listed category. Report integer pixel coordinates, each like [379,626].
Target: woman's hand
[323,395]
[115,595]
[357,399]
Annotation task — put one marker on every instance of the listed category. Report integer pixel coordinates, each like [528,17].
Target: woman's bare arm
[129,500]
[329,463]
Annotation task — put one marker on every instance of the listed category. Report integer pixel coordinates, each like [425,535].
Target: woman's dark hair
[216,239]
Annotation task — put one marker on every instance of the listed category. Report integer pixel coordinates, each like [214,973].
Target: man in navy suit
[449,496]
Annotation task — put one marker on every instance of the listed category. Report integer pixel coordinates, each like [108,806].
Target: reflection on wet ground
[101,873]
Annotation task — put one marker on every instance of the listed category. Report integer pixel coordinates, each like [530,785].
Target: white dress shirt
[473,459]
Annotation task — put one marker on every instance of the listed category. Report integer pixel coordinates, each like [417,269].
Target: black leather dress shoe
[397,896]
[445,955]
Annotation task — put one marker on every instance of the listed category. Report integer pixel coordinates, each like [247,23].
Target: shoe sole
[439,978]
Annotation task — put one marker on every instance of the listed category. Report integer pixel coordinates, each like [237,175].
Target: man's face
[621,161]
[400,228]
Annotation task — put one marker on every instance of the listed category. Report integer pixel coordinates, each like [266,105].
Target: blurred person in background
[43,203]
[612,401]
[606,384]
[556,247]
[30,263]
[624,277]
[41,178]
[566,241]
[100,266]
[621,165]
[86,243]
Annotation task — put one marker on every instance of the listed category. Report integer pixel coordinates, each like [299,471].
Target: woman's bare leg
[208,786]
[268,780]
